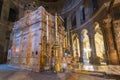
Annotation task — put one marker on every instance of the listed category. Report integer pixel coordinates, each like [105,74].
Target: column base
[81,59]
[95,60]
[113,57]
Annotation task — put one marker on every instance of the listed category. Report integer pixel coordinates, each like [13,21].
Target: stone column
[69,34]
[81,49]
[116,25]
[68,27]
[93,59]
[113,58]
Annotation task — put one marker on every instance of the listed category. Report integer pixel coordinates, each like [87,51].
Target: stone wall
[99,14]
[5,27]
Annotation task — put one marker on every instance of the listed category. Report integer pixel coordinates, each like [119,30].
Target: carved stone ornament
[108,21]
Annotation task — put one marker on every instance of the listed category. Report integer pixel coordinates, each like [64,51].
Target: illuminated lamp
[16,50]
[87,49]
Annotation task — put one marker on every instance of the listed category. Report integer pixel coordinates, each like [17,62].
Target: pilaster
[113,57]
[69,34]
[116,27]
[78,22]
[81,48]
[93,59]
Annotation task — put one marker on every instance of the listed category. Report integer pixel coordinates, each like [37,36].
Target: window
[65,23]
[94,4]
[1,3]
[13,15]
[82,14]
[73,21]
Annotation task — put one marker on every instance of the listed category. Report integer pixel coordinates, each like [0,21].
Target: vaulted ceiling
[50,0]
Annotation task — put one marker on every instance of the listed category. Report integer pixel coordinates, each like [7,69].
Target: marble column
[113,57]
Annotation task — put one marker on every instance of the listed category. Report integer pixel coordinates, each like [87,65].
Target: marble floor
[9,73]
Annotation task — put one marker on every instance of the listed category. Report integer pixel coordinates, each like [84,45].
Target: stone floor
[8,73]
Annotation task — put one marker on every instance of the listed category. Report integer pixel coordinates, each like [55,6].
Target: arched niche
[65,42]
[65,46]
[76,45]
[99,43]
[86,46]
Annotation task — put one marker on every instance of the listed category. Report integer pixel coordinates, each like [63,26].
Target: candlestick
[56,26]
[47,33]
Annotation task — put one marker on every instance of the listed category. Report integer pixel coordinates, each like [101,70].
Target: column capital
[91,36]
[107,21]
[111,45]
[116,23]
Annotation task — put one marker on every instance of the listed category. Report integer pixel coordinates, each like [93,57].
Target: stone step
[100,74]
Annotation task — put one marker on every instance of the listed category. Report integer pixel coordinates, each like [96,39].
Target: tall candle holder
[47,66]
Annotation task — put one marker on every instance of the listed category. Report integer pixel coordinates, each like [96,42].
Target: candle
[47,32]
[56,26]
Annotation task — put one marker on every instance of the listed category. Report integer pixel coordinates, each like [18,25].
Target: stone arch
[76,45]
[85,46]
[99,42]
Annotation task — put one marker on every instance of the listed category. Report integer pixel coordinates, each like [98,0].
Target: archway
[86,46]
[99,43]
[76,45]
[65,46]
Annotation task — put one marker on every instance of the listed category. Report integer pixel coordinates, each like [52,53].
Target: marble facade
[34,39]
